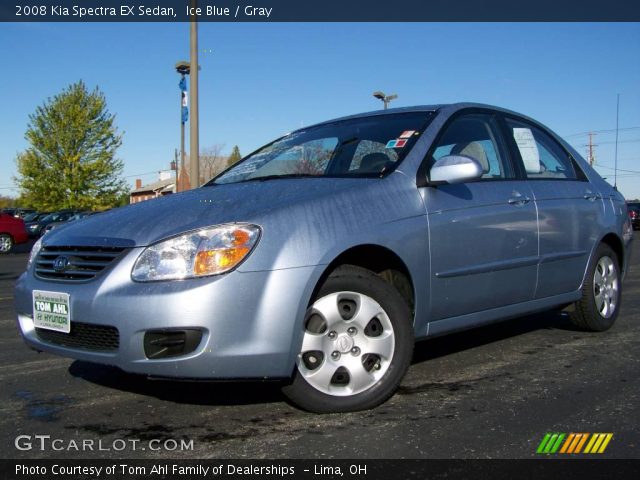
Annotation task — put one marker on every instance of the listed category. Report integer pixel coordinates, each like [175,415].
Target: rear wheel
[598,308]
[357,344]
[6,243]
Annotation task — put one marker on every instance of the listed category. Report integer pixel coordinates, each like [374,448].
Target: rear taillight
[633,214]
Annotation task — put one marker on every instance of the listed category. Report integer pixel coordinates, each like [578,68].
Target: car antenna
[615,157]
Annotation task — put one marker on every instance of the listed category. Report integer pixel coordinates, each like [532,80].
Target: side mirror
[455,169]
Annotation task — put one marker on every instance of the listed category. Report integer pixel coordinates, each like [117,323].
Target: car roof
[419,108]
[373,113]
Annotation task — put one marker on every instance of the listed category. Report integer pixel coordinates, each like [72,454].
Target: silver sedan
[323,256]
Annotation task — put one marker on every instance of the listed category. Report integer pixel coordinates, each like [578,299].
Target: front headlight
[34,251]
[200,253]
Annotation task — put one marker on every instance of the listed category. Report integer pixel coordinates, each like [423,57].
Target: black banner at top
[319,10]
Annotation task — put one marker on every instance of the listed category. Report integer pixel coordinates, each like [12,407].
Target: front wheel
[357,344]
[6,243]
[598,308]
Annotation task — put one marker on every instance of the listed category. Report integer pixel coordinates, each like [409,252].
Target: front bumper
[251,321]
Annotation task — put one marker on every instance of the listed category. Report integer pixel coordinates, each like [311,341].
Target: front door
[483,234]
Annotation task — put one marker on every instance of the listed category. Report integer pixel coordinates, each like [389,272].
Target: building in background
[165,185]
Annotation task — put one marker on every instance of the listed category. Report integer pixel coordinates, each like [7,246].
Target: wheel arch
[615,242]
[380,260]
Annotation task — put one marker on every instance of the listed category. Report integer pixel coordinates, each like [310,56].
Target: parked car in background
[36,228]
[321,257]
[72,218]
[634,214]
[10,211]
[12,232]
[18,212]
[34,216]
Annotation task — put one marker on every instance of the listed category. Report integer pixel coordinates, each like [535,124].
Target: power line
[141,174]
[619,169]
[635,140]
[622,141]
[601,131]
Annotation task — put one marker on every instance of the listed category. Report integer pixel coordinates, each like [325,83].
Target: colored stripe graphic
[567,443]
[590,444]
[605,443]
[577,443]
[581,443]
[550,443]
[572,443]
[598,442]
[543,443]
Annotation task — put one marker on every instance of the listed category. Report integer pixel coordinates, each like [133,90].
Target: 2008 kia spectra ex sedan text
[322,256]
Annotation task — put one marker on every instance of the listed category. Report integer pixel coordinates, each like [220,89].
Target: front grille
[84,336]
[82,263]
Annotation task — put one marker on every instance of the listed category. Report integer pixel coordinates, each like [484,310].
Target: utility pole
[591,145]
[174,166]
[194,156]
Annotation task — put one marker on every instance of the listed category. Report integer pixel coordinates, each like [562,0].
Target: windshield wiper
[274,177]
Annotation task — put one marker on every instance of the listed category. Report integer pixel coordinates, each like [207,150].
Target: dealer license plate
[51,311]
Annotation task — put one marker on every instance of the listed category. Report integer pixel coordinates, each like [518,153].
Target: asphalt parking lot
[487,393]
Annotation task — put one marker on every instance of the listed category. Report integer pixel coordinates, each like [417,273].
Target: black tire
[6,243]
[588,315]
[396,321]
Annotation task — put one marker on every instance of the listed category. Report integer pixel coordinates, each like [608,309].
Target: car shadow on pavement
[192,392]
[457,342]
[9,276]
[259,392]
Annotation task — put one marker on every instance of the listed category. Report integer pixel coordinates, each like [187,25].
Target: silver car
[323,256]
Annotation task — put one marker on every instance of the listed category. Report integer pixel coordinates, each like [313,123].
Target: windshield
[56,217]
[360,147]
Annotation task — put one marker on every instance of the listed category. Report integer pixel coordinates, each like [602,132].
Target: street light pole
[182,152]
[183,68]
[194,156]
[386,99]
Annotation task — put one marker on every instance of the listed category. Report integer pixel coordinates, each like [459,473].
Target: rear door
[569,207]
[483,234]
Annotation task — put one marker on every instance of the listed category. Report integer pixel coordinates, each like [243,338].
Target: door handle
[591,196]
[519,201]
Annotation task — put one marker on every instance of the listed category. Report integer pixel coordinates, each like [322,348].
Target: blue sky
[262,80]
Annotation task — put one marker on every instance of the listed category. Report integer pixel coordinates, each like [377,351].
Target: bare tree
[314,158]
[212,162]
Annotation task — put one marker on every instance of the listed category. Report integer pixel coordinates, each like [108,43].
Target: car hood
[147,222]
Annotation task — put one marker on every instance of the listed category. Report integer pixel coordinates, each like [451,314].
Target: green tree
[234,157]
[70,161]
[7,202]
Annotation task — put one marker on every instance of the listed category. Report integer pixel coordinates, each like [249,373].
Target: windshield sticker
[397,143]
[407,134]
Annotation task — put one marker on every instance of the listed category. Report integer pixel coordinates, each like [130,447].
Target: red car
[12,231]
[634,214]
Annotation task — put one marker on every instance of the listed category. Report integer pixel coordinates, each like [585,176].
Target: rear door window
[542,157]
